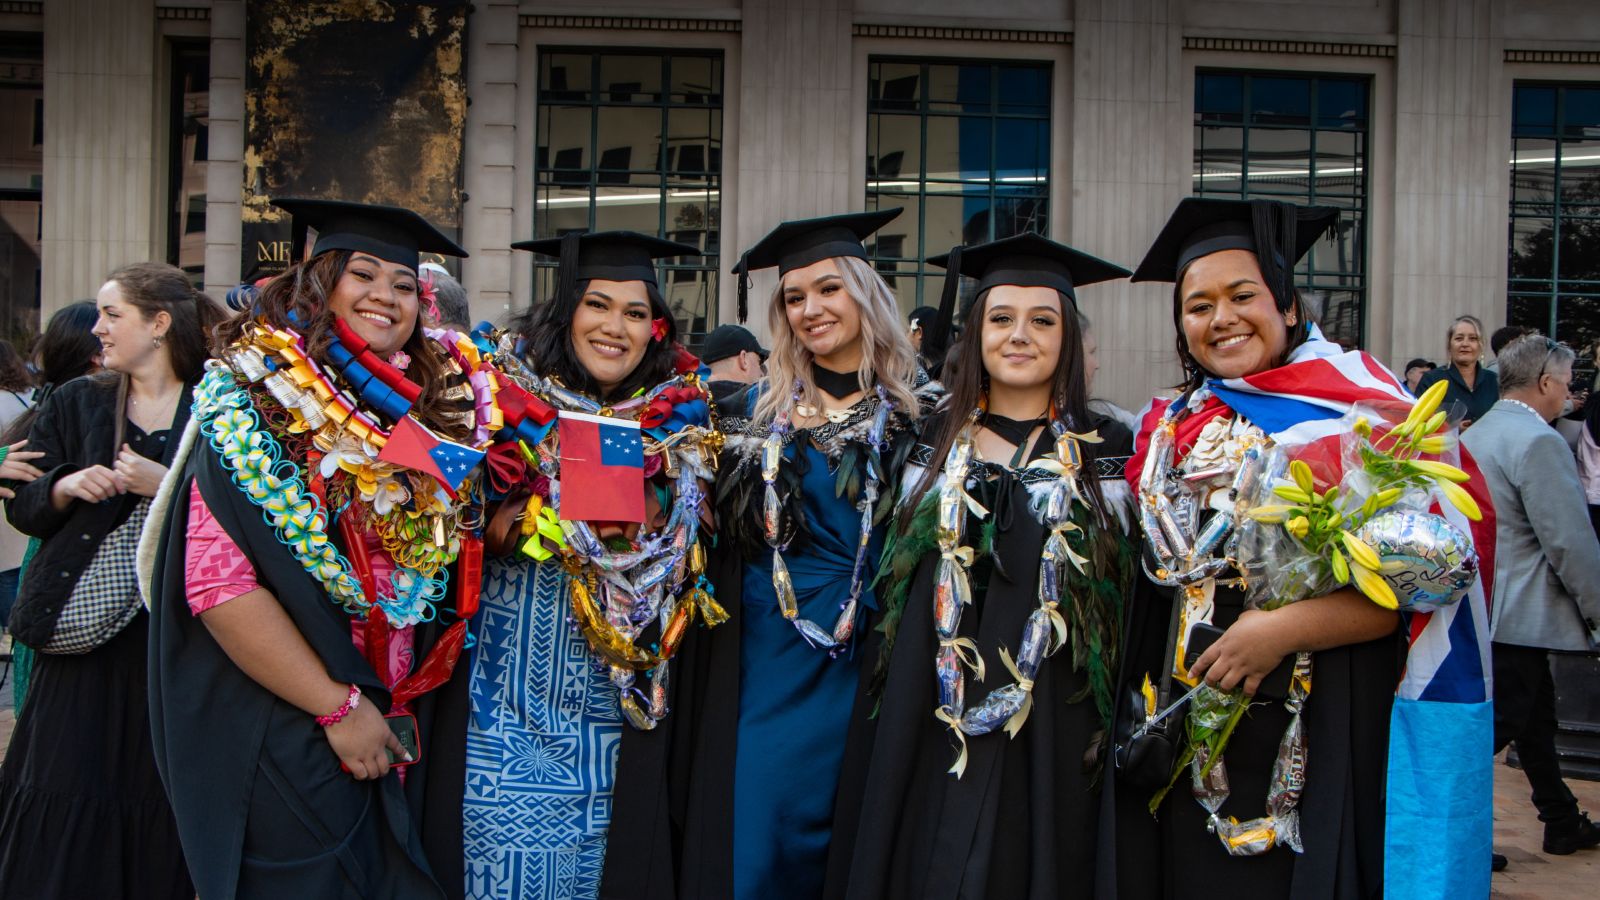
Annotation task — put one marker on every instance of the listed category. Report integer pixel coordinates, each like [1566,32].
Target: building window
[21,184]
[964,149]
[1304,139]
[1554,263]
[188,128]
[633,140]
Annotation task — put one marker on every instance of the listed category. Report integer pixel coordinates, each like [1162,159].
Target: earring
[156,341]
[1290,320]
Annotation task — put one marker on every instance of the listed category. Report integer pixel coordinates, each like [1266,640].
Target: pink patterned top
[217,571]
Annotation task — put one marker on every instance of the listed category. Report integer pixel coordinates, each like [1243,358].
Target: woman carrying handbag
[82,812]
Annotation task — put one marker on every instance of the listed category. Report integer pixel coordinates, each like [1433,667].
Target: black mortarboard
[795,245]
[1026,260]
[1278,233]
[390,233]
[607,255]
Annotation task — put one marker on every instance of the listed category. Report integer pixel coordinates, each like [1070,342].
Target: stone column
[225,162]
[100,209]
[1128,171]
[795,126]
[489,159]
[1451,175]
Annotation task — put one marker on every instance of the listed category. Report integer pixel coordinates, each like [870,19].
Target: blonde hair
[886,355]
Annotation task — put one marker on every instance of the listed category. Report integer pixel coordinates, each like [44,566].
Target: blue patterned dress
[541,744]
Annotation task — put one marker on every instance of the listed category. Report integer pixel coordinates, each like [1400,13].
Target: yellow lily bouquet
[1370,516]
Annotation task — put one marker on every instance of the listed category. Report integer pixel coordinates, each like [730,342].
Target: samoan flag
[602,469]
[1440,795]
[412,445]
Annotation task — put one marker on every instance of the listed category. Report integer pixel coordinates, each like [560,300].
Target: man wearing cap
[1415,369]
[736,359]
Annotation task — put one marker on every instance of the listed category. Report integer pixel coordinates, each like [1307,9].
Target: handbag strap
[1164,690]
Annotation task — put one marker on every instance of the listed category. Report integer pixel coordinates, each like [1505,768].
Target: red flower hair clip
[659,328]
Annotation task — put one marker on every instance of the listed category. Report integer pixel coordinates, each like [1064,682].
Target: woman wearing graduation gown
[1237,314]
[319,558]
[991,715]
[572,669]
[804,492]
[82,811]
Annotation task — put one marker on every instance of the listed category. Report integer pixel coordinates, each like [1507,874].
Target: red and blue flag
[412,445]
[602,469]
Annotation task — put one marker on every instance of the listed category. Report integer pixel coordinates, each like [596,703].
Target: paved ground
[1517,832]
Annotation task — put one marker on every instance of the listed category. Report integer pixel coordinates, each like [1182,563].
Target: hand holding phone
[1274,686]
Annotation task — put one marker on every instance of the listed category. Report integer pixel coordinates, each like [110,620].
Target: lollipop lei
[620,587]
[1357,509]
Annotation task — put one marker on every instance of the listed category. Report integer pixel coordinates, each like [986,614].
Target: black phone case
[404,726]
[1274,687]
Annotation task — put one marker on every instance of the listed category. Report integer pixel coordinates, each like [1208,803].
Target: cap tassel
[1275,224]
[743,272]
[936,340]
[567,272]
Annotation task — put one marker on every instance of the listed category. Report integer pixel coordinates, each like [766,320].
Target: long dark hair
[1297,334]
[298,299]
[65,351]
[1068,393]
[546,332]
[14,375]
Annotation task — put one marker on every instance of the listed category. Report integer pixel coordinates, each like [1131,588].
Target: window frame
[1359,201]
[1042,196]
[710,182]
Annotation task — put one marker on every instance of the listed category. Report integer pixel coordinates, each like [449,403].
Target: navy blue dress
[794,699]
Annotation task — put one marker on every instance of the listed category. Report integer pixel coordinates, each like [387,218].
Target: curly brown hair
[298,299]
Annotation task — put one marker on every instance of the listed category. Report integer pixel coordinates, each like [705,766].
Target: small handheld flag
[412,445]
[602,469]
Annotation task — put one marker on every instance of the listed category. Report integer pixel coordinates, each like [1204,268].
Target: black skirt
[82,810]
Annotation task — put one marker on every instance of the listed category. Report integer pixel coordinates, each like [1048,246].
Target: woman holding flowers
[311,586]
[597,577]
[1287,800]
[1003,588]
[803,496]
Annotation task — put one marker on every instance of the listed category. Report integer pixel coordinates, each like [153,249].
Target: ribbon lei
[1018,718]
[951,719]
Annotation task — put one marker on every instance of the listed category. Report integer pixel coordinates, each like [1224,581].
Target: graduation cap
[391,233]
[1024,260]
[795,245]
[1278,233]
[607,255]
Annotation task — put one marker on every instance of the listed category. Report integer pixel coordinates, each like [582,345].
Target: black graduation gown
[1021,821]
[263,809]
[1346,719]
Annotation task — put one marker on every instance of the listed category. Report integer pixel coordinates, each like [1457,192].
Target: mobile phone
[404,726]
[1273,687]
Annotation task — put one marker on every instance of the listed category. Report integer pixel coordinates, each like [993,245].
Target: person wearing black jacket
[82,811]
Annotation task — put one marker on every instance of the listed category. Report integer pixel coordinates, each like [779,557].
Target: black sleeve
[31,511]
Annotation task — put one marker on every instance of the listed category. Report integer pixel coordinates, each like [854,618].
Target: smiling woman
[571,682]
[313,580]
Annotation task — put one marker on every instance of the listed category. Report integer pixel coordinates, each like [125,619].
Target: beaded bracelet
[350,703]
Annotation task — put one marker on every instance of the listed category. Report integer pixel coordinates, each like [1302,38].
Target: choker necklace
[1012,431]
[835,384]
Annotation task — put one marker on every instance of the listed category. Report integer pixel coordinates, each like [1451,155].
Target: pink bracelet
[350,702]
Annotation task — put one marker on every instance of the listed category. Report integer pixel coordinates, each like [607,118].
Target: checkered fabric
[106,597]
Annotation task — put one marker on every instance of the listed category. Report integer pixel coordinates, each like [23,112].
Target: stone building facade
[1462,137]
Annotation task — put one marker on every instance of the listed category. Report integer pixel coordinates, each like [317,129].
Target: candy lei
[615,595]
[1045,630]
[838,639]
[254,460]
[1222,471]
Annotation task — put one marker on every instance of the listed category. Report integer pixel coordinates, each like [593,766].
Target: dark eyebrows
[1200,292]
[598,293]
